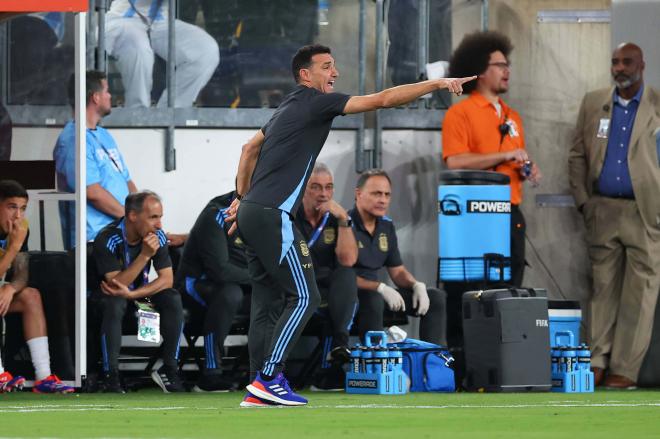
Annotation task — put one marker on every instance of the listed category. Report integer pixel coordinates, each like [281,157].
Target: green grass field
[151,414]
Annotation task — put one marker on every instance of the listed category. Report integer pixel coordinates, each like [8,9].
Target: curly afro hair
[471,57]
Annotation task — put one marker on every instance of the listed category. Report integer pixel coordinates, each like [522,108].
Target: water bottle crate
[571,369]
[579,381]
[376,369]
[388,383]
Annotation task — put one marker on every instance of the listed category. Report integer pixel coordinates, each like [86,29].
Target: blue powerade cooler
[474,226]
[564,318]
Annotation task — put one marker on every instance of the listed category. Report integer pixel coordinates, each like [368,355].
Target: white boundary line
[113,407]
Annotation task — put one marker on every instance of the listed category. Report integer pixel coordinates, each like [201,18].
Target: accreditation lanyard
[318,230]
[107,153]
[127,258]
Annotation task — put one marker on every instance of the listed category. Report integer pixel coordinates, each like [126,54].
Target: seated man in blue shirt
[108,180]
[377,248]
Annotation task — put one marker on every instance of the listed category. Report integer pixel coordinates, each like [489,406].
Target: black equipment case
[507,347]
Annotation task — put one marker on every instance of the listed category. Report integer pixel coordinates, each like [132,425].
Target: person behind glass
[138,29]
[614,173]
[108,179]
[378,247]
[326,227]
[212,278]
[124,252]
[483,132]
[17,297]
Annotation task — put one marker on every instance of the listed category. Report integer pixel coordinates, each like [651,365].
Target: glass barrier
[403,33]
[40,58]
[255,41]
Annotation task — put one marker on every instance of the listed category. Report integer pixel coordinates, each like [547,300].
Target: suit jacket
[587,153]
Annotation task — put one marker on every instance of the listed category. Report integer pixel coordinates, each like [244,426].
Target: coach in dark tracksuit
[212,277]
[378,247]
[272,173]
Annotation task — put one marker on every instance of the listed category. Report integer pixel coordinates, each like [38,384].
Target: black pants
[284,291]
[338,289]
[166,302]
[217,305]
[433,326]
[518,228]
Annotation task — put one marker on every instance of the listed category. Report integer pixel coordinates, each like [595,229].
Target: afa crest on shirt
[329,236]
[304,249]
[382,243]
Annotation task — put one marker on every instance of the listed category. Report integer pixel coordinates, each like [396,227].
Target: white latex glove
[420,298]
[392,297]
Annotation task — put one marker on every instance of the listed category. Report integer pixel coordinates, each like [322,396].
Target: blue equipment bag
[427,366]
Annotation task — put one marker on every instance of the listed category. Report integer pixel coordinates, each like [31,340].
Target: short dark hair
[135,201]
[366,175]
[12,189]
[472,55]
[303,58]
[93,84]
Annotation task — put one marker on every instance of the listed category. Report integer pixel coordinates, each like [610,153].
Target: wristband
[345,222]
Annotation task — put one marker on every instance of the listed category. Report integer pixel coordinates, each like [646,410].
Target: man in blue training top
[108,180]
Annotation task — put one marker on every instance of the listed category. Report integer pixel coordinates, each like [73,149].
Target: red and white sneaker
[254,401]
[51,384]
[276,390]
[9,383]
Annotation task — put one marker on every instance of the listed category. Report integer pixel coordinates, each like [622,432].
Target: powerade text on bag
[427,365]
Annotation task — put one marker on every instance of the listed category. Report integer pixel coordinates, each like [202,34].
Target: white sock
[2,369]
[40,356]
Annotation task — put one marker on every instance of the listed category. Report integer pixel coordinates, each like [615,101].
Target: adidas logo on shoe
[276,388]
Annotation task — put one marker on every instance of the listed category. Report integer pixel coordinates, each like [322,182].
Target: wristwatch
[345,222]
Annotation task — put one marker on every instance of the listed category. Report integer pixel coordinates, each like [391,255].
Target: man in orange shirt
[483,132]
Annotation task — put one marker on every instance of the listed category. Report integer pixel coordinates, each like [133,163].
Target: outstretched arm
[403,94]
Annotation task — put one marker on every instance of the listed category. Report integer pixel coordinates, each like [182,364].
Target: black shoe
[332,379]
[213,382]
[339,355]
[112,382]
[168,379]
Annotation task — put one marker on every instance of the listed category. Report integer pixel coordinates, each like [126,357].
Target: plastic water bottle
[555,353]
[380,360]
[367,359]
[584,357]
[323,12]
[355,358]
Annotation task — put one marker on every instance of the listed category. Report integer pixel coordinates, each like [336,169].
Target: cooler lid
[563,304]
[471,177]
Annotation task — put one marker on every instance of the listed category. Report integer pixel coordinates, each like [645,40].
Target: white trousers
[196,57]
